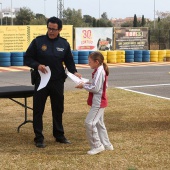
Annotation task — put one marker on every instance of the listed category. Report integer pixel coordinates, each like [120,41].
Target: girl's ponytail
[106,68]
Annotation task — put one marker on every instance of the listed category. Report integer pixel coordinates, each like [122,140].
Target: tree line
[159,32]
[74,17]
[70,17]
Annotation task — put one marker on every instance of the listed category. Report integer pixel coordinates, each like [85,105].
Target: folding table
[12,92]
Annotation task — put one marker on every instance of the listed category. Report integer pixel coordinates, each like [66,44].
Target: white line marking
[144,86]
[145,93]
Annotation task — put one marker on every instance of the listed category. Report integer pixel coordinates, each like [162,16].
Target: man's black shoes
[40,145]
[63,140]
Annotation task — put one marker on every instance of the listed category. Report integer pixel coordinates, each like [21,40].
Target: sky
[94,8]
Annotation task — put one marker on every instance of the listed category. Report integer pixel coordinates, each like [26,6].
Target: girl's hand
[79,86]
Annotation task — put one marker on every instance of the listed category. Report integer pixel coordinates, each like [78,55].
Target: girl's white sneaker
[109,147]
[96,150]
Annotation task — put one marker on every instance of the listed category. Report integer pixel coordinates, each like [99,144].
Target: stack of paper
[44,78]
[76,79]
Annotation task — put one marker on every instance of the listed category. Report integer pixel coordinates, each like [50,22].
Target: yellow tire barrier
[111,53]
[161,55]
[111,56]
[154,59]
[154,56]
[120,60]
[104,53]
[120,52]
[153,52]
[161,52]
[120,56]
[167,53]
[113,60]
[160,59]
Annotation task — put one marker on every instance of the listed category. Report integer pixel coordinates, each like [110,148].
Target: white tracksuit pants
[95,128]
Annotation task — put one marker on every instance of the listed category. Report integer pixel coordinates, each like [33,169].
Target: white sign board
[94,39]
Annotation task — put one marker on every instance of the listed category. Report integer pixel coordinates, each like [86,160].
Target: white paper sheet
[76,79]
[44,78]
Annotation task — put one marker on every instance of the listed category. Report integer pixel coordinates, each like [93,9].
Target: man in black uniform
[50,50]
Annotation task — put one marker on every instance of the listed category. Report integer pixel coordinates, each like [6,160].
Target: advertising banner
[131,38]
[67,33]
[13,38]
[37,30]
[18,38]
[93,39]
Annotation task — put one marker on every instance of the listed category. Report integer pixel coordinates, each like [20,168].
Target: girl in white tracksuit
[94,123]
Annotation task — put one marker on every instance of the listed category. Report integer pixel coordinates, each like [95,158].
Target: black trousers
[54,89]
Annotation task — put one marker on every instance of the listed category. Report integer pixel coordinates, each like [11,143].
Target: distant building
[8,13]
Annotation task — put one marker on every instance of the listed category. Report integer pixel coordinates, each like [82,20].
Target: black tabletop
[16,91]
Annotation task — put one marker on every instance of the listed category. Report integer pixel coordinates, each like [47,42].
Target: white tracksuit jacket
[97,89]
[95,128]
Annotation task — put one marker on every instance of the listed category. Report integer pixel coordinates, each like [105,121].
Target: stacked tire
[83,57]
[17,59]
[154,55]
[137,56]
[129,56]
[75,56]
[120,56]
[161,55]
[111,57]
[5,59]
[145,56]
[167,55]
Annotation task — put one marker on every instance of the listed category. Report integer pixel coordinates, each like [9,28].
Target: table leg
[26,107]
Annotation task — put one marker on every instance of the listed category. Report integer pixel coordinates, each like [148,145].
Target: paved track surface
[146,78]
[83,66]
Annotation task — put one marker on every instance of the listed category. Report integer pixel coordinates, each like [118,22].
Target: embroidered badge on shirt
[44,47]
[59,49]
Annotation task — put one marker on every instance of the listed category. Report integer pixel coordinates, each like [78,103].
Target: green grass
[138,127]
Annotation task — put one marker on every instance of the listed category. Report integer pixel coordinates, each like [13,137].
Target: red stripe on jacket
[104,100]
